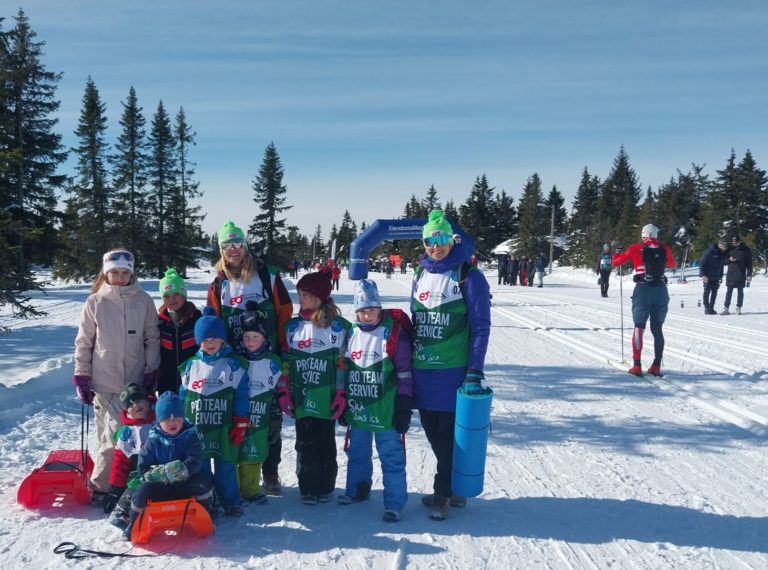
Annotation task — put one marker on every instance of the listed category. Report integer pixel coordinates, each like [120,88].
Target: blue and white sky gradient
[371,102]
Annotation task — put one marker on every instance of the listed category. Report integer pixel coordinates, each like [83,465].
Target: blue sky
[370,102]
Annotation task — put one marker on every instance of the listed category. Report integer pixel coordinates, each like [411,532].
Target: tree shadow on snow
[599,521]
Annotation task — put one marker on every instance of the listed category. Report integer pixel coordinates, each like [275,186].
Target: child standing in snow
[171,463]
[137,417]
[312,384]
[176,321]
[117,343]
[214,388]
[380,396]
[263,373]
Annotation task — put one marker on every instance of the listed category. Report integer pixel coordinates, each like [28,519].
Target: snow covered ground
[588,467]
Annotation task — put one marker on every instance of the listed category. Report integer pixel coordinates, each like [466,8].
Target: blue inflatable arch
[382,230]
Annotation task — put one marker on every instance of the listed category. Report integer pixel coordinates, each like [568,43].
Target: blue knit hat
[168,406]
[209,326]
[367,295]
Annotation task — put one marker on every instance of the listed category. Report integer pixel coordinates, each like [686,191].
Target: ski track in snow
[588,467]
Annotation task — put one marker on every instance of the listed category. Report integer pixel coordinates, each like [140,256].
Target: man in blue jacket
[711,273]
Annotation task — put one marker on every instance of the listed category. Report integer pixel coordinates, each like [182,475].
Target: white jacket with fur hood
[118,339]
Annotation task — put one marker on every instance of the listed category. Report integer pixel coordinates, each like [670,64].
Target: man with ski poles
[650,298]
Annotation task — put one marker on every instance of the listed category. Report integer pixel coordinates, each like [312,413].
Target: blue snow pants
[224,481]
[389,444]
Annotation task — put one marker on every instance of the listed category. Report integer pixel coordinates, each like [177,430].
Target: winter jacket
[434,385]
[712,263]
[162,448]
[128,443]
[229,299]
[541,263]
[117,341]
[177,344]
[739,260]
[634,253]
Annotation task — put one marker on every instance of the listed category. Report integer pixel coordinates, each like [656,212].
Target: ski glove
[150,381]
[83,386]
[401,419]
[338,405]
[473,382]
[167,473]
[237,431]
[283,393]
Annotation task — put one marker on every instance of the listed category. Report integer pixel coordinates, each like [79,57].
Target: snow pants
[316,464]
[275,443]
[391,450]
[106,412]
[224,480]
[249,479]
[439,428]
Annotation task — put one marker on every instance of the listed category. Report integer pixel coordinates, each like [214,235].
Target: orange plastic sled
[65,472]
[171,516]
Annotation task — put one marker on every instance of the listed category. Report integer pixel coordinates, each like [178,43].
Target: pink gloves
[237,431]
[83,387]
[283,393]
[338,405]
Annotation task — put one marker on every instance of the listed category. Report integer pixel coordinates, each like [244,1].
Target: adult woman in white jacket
[117,343]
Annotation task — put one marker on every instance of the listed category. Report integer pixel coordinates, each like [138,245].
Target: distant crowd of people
[512,268]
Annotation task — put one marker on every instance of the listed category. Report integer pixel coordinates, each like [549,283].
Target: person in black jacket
[711,273]
[176,320]
[739,272]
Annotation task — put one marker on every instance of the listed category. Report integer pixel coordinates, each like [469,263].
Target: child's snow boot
[439,509]
[272,484]
[391,515]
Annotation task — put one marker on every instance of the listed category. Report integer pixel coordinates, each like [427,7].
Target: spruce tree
[163,188]
[533,225]
[269,194]
[477,216]
[85,234]
[619,198]
[505,217]
[415,208]
[431,201]
[33,150]
[129,179]
[346,235]
[751,204]
[583,228]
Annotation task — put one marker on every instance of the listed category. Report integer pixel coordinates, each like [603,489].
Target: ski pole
[621,302]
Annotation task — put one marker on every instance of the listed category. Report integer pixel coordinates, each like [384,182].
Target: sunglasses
[232,245]
[440,239]
[117,255]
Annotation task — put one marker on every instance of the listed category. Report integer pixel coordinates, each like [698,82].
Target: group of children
[215,401]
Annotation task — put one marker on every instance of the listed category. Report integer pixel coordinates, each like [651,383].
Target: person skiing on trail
[650,298]
[604,269]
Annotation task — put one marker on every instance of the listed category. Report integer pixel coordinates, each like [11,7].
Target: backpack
[655,261]
[400,319]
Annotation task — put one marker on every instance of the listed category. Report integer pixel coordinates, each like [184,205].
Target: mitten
[284,399]
[150,381]
[338,405]
[83,386]
[401,420]
[176,471]
[473,382]
[111,499]
[156,474]
[237,431]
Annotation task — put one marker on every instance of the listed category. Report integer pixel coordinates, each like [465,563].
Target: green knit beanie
[230,232]
[437,225]
[172,283]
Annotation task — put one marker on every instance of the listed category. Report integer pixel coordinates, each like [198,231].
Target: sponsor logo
[197,384]
[235,301]
[424,296]
[304,343]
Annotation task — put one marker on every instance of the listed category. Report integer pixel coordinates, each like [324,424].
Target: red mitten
[338,405]
[237,431]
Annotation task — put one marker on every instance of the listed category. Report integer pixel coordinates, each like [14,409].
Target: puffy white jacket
[118,339]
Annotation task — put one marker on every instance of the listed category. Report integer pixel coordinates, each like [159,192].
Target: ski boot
[654,370]
[636,370]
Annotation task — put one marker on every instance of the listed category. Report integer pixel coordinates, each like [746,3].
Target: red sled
[171,516]
[65,472]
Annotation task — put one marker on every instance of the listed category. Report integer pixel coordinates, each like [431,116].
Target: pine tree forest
[136,189]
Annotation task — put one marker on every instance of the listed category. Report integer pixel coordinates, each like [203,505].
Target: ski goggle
[440,239]
[117,256]
[232,245]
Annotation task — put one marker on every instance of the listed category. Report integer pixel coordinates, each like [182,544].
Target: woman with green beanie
[176,320]
[242,277]
[451,309]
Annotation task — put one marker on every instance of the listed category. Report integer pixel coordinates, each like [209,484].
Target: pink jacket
[118,339]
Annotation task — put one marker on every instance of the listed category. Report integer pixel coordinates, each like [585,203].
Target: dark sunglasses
[440,239]
[117,255]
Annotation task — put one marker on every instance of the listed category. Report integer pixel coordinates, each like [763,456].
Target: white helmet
[650,231]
